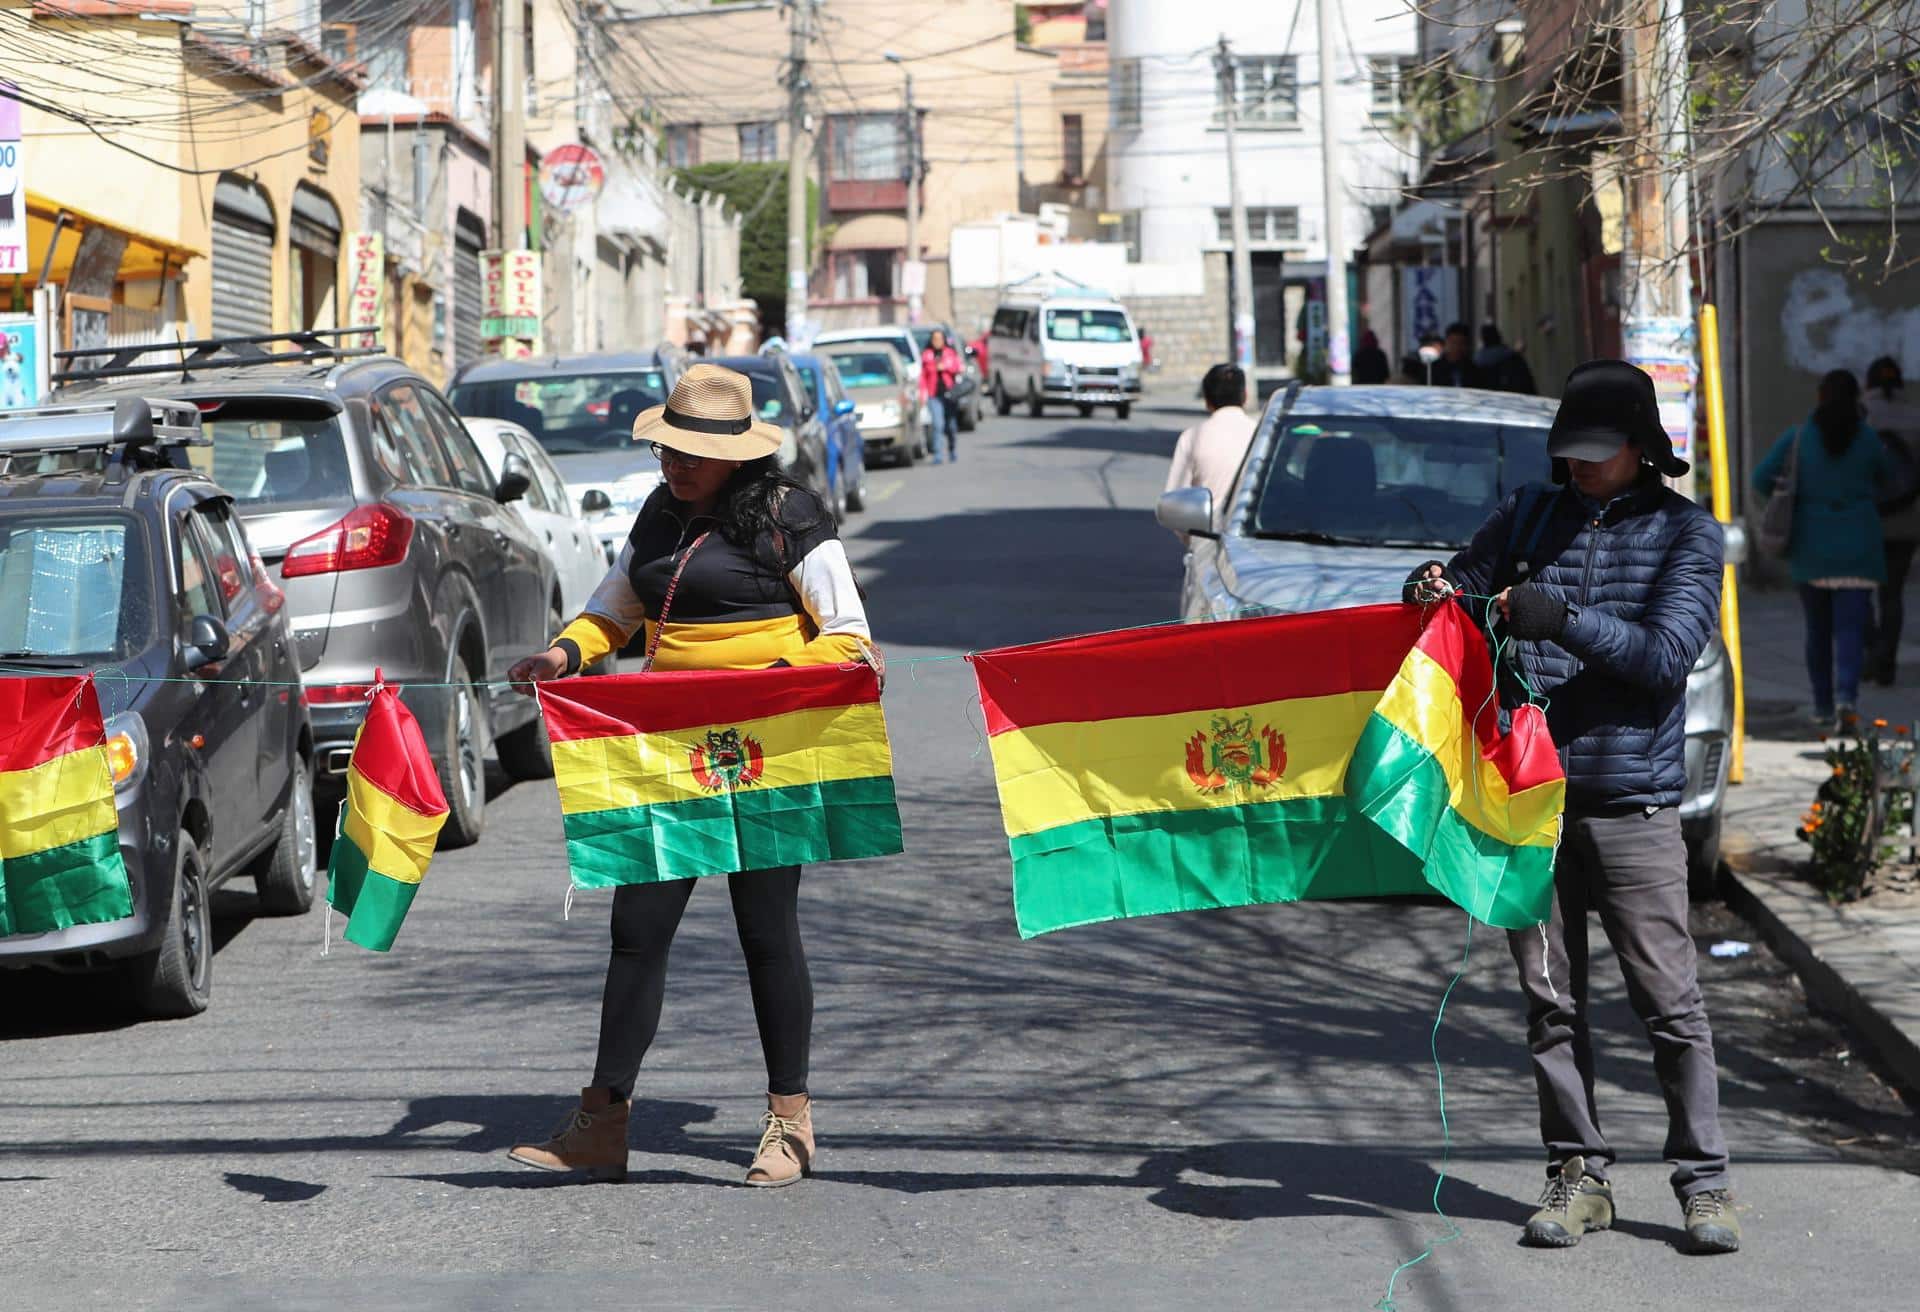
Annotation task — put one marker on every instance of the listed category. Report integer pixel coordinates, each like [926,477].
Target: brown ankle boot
[786,1142]
[593,1139]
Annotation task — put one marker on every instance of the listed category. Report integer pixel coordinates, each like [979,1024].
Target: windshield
[568,413]
[73,589]
[900,344]
[274,454]
[867,368]
[1389,481]
[1089,326]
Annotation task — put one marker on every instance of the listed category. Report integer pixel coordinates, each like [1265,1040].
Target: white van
[1064,350]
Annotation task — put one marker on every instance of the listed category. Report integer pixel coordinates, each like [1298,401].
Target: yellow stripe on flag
[396,840]
[650,769]
[1058,774]
[1424,703]
[57,802]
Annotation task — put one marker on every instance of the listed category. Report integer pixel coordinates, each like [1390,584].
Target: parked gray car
[1442,460]
[374,510]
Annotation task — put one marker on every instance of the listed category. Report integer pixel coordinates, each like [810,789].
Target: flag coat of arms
[1335,754]
[670,775]
[60,862]
[389,823]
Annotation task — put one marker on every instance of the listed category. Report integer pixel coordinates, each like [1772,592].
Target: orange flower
[1839,772]
[1879,724]
[1902,729]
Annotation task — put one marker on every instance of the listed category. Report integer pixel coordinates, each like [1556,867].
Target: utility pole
[1339,359]
[799,155]
[914,273]
[509,128]
[1242,271]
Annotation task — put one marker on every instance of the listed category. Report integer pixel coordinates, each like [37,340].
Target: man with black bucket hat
[1607,586]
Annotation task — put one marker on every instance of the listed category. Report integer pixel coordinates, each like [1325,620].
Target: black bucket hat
[1605,403]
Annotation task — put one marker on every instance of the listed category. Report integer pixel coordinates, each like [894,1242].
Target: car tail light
[333,694]
[368,537]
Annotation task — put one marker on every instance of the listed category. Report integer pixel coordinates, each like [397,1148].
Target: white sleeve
[824,582]
[1180,474]
[615,600]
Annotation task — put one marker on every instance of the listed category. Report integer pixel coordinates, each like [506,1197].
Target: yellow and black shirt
[733,610]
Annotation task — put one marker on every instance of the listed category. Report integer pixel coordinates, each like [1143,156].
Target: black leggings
[766,913]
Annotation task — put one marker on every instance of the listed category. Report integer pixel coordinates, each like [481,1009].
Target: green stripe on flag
[748,829]
[83,883]
[374,904]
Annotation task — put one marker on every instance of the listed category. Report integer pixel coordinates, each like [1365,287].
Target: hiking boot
[1711,1226]
[593,1139]
[1572,1204]
[786,1142]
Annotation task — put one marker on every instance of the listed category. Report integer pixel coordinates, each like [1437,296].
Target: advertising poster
[20,347]
[13,187]
[366,259]
[1664,347]
[1429,301]
[510,321]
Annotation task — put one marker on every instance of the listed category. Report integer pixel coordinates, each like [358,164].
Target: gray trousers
[1632,869]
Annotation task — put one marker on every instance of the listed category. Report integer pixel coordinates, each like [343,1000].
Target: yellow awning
[146,255]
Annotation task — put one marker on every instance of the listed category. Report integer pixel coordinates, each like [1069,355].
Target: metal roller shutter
[468,291]
[242,276]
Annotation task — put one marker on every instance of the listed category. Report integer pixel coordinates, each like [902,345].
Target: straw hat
[710,414]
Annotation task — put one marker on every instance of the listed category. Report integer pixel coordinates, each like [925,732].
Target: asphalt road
[1225,1110]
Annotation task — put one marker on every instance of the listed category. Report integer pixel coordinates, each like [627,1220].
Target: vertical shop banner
[20,364]
[510,322]
[13,186]
[366,254]
[1663,346]
[1429,301]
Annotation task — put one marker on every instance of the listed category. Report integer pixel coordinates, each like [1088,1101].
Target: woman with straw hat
[730,565]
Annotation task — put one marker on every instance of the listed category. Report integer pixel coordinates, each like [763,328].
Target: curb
[1847,961]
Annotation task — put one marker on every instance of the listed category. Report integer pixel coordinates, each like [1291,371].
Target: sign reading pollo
[510,323]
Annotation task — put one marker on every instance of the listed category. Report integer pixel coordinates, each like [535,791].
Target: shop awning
[145,257]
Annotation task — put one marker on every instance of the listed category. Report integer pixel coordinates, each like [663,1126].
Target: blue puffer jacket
[1641,577]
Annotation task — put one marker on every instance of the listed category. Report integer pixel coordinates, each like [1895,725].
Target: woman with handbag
[1897,420]
[1831,466]
[730,566]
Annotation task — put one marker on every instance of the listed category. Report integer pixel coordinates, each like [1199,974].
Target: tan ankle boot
[786,1142]
[593,1139]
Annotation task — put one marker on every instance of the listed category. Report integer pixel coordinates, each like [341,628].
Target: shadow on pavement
[272,1189]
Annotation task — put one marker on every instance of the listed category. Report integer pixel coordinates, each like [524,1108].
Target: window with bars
[1265,90]
[1073,155]
[1265,223]
[759,143]
[865,275]
[1387,76]
[1123,93]
[868,148]
[683,145]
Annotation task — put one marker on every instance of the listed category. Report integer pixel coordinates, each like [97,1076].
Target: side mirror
[516,476]
[595,502]
[1187,510]
[842,408]
[207,642]
[1736,543]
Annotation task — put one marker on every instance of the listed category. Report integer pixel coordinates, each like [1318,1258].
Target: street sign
[13,187]
[571,176]
[510,326]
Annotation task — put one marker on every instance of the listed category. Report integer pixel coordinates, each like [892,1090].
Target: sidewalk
[1860,961]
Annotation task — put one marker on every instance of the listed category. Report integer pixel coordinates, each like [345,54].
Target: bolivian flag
[1181,768]
[388,824]
[60,862]
[663,776]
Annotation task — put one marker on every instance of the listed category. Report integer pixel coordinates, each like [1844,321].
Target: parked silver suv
[368,500]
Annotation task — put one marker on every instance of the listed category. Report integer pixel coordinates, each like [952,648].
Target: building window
[1123,93]
[1266,224]
[1265,89]
[1073,161]
[1097,22]
[1387,76]
[868,148]
[759,143]
[865,275]
[1130,235]
[683,145]
[348,38]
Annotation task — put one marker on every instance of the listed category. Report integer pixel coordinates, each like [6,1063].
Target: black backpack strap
[1530,516]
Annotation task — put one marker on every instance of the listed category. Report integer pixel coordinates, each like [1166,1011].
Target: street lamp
[913,273]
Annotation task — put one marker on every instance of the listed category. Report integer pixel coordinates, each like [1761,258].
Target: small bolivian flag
[60,863]
[664,776]
[388,824]
[1323,755]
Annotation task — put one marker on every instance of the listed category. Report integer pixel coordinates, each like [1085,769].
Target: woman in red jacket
[940,369]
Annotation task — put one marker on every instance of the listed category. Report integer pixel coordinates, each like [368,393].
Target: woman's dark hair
[1884,374]
[1837,416]
[758,510]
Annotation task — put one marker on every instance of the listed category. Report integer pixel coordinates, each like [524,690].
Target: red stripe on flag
[617,705]
[391,754]
[47,716]
[1525,757]
[1194,667]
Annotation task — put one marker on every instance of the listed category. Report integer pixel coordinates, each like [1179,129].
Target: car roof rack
[133,428]
[311,344]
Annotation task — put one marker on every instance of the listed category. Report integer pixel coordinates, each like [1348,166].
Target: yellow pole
[1720,464]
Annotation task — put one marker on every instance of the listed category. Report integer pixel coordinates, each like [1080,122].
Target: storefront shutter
[242,261]
[468,292]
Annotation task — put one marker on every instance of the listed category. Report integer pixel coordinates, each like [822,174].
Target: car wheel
[524,752]
[290,871]
[1001,401]
[1123,410]
[461,763]
[1086,411]
[1703,861]
[969,417]
[1035,408]
[175,979]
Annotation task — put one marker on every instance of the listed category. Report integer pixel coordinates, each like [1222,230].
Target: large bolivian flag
[388,823]
[664,776]
[60,862]
[1215,765]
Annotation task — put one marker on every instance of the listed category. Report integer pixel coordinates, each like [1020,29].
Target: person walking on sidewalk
[1836,553]
[1608,587]
[1210,453]
[1897,421]
[730,566]
[940,370]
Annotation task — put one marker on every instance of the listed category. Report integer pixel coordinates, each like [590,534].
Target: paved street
[1223,1110]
